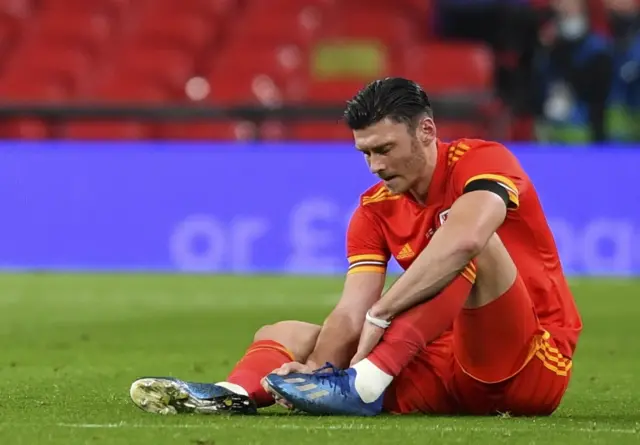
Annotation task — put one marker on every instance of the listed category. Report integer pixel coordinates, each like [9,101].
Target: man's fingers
[279,400]
[283,403]
[285,369]
[356,358]
[263,383]
[288,368]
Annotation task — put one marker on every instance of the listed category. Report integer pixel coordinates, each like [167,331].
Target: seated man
[415,369]
[465,222]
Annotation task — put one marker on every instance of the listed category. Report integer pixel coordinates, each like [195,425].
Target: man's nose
[376,166]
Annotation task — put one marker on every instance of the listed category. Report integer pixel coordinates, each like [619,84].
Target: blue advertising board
[266,208]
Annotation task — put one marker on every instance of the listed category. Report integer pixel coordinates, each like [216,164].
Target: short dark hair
[398,99]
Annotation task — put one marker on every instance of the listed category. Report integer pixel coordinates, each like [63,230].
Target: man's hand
[288,368]
[291,367]
[279,400]
[369,338]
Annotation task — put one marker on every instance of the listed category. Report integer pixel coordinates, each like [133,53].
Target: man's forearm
[338,340]
[432,271]
[472,220]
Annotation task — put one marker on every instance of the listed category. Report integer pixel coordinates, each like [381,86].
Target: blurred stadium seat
[451,67]
[188,31]
[168,66]
[113,8]
[299,24]
[89,30]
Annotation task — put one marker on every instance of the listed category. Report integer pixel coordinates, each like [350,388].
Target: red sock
[418,326]
[261,358]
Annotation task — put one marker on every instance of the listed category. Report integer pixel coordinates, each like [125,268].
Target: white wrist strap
[384,324]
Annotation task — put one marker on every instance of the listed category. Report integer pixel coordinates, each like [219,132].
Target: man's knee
[297,336]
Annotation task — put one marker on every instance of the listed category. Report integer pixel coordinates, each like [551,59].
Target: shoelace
[336,378]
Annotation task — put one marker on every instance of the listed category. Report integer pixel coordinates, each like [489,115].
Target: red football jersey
[386,225]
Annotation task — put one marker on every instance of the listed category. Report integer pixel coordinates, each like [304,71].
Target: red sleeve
[366,247]
[488,161]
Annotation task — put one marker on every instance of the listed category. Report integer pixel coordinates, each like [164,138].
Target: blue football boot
[327,391]
[168,395]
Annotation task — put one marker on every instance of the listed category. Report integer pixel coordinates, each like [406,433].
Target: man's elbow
[470,245]
[475,222]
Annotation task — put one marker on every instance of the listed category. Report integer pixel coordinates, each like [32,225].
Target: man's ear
[426,130]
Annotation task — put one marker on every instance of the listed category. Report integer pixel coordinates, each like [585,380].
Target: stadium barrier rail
[451,107]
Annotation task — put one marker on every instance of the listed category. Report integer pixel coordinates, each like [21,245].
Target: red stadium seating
[333,91]
[188,31]
[300,25]
[168,66]
[13,15]
[286,66]
[451,67]
[245,88]
[413,6]
[90,31]
[113,9]
[33,88]
[210,9]
[69,65]
[275,7]
[247,51]
[389,28]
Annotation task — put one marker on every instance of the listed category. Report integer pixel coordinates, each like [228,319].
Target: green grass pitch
[72,344]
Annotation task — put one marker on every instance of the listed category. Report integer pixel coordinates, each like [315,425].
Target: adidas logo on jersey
[405,252]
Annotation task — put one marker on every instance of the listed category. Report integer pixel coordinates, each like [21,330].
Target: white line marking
[506,428]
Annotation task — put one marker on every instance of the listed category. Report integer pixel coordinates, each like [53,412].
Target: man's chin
[395,186]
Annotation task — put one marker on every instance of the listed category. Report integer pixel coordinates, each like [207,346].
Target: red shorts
[500,359]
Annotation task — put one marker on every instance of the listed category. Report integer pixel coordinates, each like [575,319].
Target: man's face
[622,6]
[393,152]
[569,8]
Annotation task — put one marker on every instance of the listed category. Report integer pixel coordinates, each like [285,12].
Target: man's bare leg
[273,346]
